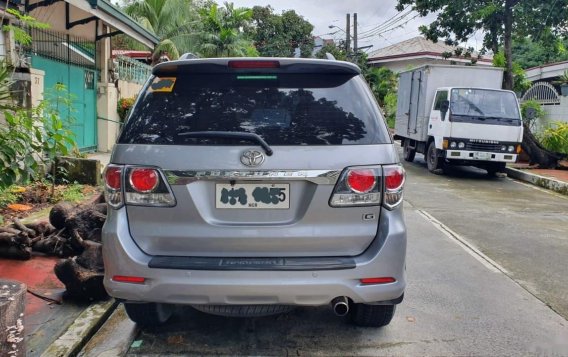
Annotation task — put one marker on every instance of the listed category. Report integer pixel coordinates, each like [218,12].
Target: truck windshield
[468,104]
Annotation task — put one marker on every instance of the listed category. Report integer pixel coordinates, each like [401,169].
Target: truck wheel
[408,152]
[372,315]
[433,161]
[148,314]
[495,168]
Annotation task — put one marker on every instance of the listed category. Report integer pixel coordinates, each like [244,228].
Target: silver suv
[245,187]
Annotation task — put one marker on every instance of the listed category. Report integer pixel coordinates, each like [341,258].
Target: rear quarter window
[284,109]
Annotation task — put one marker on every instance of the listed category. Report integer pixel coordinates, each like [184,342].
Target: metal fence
[543,93]
[62,48]
[131,70]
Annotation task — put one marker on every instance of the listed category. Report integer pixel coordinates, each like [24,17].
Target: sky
[370,14]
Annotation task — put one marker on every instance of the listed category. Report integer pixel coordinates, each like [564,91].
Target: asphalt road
[487,275]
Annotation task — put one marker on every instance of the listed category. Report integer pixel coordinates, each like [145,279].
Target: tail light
[142,186]
[358,186]
[362,186]
[146,186]
[361,181]
[394,184]
[144,180]
[113,185]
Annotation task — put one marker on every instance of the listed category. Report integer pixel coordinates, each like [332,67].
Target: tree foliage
[174,22]
[278,35]
[23,22]
[501,20]
[223,31]
[528,53]
[520,81]
[338,51]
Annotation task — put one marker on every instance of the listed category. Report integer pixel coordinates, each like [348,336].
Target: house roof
[546,71]
[415,47]
[84,19]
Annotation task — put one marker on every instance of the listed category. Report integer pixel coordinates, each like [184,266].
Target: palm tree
[223,34]
[175,22]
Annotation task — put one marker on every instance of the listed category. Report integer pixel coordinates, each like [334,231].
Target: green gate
[70,62]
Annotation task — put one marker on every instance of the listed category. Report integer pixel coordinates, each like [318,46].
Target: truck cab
[475,126]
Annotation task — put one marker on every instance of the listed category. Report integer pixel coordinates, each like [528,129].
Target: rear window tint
[284,109]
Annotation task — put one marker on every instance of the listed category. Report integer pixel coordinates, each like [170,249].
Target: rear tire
[434,162]
[407,151]
[372,315]
[148,314]
[495,168]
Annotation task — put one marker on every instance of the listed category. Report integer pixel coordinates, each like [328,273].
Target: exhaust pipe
[340,305]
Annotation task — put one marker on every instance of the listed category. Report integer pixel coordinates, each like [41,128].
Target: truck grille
[483,147]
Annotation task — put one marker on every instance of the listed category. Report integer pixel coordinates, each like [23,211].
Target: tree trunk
[508,37]
[539,155]
[12,303]
[156,55]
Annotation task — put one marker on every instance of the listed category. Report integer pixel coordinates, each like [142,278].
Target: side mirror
[444,106]
[530,113]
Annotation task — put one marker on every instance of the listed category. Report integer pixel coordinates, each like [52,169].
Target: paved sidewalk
[555,180]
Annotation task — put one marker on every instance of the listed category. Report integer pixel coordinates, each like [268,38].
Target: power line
[392,24]
[392,20]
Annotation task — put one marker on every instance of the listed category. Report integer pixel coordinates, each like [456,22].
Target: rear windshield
[284,109]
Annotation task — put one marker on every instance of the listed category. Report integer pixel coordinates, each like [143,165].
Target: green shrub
[539,113]
[555,138]
[390,108]
[32,138]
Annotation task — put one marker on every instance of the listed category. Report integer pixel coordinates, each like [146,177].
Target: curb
[537,180]
[113,338]
[81,330]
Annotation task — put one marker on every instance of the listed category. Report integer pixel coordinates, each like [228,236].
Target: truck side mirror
[444,106]
[530,113]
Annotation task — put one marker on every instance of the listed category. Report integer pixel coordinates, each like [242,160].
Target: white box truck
[458,115]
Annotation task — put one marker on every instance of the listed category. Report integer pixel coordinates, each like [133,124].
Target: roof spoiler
[285,65]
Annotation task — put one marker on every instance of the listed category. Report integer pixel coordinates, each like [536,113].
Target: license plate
[252,196]
[482,155]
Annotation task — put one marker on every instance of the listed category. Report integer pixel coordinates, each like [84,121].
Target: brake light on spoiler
[253,64]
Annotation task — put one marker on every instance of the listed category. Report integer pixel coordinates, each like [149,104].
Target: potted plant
[123,106]
[563,83]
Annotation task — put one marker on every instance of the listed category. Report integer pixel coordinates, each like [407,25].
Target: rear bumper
[384,258]
[467,155]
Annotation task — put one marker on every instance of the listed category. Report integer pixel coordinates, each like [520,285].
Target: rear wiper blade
[230,135]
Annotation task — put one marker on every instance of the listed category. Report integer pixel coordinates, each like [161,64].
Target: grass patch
[71,193]
[37,196]
[8,196]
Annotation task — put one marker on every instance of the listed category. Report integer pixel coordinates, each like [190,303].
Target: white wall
[128,89]
[554,113]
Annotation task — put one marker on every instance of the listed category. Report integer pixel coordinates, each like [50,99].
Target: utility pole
[355,34]
[348,35]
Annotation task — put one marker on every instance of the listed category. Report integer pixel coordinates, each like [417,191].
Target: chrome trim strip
[320,177]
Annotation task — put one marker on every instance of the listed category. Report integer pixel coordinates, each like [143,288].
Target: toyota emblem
[252,158]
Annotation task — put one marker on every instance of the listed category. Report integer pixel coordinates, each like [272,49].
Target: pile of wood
[74,233]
